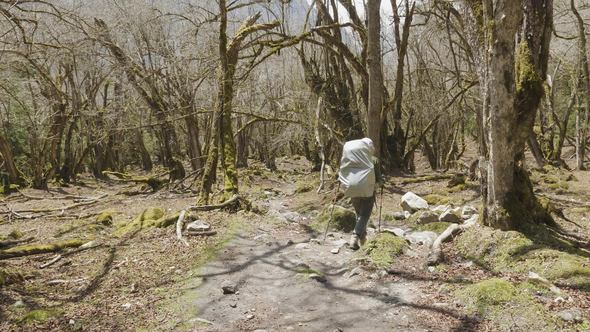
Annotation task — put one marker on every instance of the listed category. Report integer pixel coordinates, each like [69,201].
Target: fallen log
[85,246]
[69,207]
[12,243]
[35,249]
[153,181]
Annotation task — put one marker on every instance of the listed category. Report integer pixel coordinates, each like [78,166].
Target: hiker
[359,175]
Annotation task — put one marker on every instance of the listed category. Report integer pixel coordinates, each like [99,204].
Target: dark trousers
[363,206]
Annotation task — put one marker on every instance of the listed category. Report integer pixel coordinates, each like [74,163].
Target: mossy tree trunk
[582,117]
[511,77]
[222,142]
[7,161]
[376,87]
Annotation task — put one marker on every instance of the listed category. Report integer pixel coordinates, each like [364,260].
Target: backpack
[357,171]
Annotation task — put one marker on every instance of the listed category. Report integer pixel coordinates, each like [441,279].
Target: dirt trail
[272,265]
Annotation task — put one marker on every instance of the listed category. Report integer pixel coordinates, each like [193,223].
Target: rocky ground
[270,270]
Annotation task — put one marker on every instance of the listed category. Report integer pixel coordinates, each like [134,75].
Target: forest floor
[276,271]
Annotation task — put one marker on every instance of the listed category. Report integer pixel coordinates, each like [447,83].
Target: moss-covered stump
[342,219]
[541,251]
[34,249]
[509,307]
[149,218]
[383,249]
[9,277]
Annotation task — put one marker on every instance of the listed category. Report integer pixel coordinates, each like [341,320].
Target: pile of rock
[417,209]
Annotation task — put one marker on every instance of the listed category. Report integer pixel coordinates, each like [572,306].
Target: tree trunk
[375,107]
[582,118]
[194,145]
[512,78]
[7,162]
[536,150]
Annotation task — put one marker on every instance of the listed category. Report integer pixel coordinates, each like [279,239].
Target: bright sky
[386,12]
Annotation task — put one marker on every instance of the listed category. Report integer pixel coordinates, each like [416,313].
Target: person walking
[359,175]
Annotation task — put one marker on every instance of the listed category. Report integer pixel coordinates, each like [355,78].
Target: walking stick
[380,208]
[331,213]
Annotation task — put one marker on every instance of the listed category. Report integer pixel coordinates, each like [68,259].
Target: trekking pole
[331,213]
[380,208]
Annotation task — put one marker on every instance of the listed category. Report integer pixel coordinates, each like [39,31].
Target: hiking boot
[354,242]
[363,239]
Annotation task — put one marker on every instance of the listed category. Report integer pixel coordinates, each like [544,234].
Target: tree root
[69,207]
[436,253]
[154,182]
[12,243]
[234,203]
[35,249]
[436,177]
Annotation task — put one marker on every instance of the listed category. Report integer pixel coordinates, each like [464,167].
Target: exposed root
[12,243]
[35,249]
[436,253]
[234,203]
[436,177]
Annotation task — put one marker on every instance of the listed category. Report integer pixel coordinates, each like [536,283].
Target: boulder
[399,215]
[449,216]
[441,208]
[467,212]
[412,202]
[395,231]
[426,217]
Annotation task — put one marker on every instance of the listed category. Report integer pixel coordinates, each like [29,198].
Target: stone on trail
[302,246]
[399,215]
[198,226]
[449,216]
[317,277]
[292,216]
[426,217]
[468,211]
[412,202]
[229,288]
[395,231]
[335,251]
[421,238]
[441,208]
[570,315]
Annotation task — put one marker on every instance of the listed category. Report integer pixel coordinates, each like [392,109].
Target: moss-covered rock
[342,219]
[437,227]
[106,218]
[508,306]
[541,251]
[383,249]
[437,199]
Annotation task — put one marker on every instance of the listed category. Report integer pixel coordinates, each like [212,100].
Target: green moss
[458,188]
[15,234]
[543,253]
[106,218]
[508,306]
[383,249]
[482,295]
[39,315]
[436,199]
[437,227]
[303,187]
[342,219]
[150,217]
[31,249]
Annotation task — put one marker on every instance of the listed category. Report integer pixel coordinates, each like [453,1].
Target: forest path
[285,280]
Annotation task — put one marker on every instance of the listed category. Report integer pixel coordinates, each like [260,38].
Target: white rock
[399,215]
[449,216]
[421,238]
[126,305]
[335,251]
[441,208]
[302,246]
[198,226]
[467,212]
[395,231]
[292,216]
[407,214]
[412,202]
[250,316]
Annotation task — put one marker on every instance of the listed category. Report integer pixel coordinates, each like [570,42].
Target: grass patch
[437,199]
[39,315]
